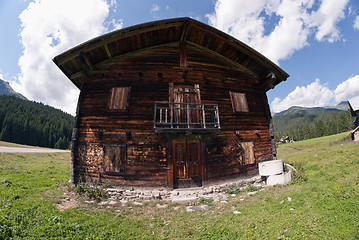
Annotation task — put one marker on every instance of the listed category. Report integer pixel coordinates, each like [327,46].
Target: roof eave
[74,53]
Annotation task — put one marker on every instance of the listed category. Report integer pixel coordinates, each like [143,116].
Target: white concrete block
[268,168]
[279,179]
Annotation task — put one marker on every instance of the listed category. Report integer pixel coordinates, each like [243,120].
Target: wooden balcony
[186,117]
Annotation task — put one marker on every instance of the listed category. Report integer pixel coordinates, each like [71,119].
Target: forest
[318,125]
[33,123]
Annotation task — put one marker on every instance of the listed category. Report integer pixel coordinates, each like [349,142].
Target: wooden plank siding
[123,73]
[147,153]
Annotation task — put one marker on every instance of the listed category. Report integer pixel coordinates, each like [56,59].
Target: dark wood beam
[86,65]
[107,51]
[231,62]
[182,45]
[112,37]
[171,44]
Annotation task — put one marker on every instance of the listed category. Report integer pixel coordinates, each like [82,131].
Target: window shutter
[119,98]
[115,158]
[248,153]
[239,102]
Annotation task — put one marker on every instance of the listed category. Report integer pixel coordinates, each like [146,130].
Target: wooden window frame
[239,102]
[119,99]
[122,150]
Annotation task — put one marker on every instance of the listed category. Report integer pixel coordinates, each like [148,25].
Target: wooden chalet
[173,103]
[354,109]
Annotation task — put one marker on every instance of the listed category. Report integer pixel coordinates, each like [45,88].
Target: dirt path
[29,150]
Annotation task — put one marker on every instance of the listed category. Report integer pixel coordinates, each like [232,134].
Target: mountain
[301,111]
[310,122]
[5,89]
[32,123]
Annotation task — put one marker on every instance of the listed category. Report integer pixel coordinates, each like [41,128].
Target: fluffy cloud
[298,19]
[356,23]
[347,89]
[318,95]
[313,95]
[50,27]
[326,18]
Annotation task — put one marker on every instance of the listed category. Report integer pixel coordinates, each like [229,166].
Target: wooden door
[187,163]
[186,112]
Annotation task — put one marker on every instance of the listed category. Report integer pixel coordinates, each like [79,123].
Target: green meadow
[322,202]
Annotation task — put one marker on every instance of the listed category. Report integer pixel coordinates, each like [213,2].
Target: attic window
[115,158]
[119,98]
[239,102]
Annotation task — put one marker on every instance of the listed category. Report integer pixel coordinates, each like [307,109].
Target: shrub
[93,190]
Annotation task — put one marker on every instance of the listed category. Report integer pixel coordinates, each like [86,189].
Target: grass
[321,203]
[7,144]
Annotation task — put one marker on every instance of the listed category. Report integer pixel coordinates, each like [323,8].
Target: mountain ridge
[342,106]
[312,122]
[6,89]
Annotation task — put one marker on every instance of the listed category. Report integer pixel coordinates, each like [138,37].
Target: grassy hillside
[295,117]
[305,123]
[321,203]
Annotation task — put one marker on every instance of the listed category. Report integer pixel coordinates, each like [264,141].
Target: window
[119,98]
[239,102]
[115,158]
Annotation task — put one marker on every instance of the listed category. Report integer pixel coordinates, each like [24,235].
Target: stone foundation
[216,191]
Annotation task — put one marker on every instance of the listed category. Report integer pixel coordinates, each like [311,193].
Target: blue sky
[316,42]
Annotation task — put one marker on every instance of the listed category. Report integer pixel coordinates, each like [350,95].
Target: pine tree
[33,123]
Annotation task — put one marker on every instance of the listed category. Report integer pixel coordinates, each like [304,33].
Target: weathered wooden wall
[148,73]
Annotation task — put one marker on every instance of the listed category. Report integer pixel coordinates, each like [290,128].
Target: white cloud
[298,19]
[50,27]
[313,95]
[155,8]
[347,89]
[326,18]
[356,23]
[354,101]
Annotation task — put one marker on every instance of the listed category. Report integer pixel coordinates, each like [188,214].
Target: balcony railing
[186,117]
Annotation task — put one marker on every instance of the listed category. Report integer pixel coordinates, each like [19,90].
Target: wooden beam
[107,51]
[86,65]
[231,62]
[85,73]
[268,80]
[182,45]
[112,37]
[171,44]
[256,56]
[76,75]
